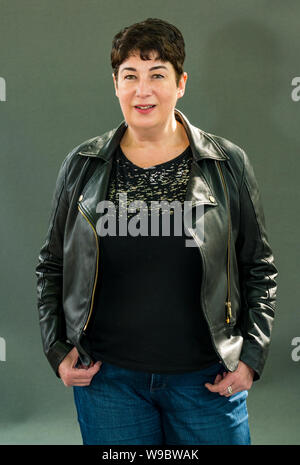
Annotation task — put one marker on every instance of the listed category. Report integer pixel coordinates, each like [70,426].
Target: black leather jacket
[238,288]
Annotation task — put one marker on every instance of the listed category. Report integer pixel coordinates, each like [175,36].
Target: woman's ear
[181,85]
[115,84]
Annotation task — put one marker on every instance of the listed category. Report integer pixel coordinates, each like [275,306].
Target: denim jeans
[122,406]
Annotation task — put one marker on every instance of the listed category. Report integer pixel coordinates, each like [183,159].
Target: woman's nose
[143,88]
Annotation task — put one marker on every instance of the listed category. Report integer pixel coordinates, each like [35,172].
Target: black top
[147,314]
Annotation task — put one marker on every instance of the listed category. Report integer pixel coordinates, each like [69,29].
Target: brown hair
[146,36]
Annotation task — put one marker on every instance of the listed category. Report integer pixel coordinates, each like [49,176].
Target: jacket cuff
[254,356]
[57,352]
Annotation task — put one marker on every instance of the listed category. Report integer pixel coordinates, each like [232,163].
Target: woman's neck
[165,141]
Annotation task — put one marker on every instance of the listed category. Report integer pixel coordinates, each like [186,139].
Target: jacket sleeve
[49,272]
[257,274]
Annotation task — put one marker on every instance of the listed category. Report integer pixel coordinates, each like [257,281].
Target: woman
[160,334]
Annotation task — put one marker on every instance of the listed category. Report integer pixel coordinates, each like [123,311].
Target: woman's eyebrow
[151,69]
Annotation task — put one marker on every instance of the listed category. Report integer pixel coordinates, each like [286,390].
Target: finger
[77,383]
[98,364]
[81,377]
[82,367]
[234,390]
[80,374]
[87,367]
[229,394]
[213,387]
[217,378]
[94,369]
[92,366]
[221,387]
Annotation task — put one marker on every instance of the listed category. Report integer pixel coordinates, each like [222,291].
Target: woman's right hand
[80,376]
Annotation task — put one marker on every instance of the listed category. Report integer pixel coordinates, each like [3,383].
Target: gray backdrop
[55,60]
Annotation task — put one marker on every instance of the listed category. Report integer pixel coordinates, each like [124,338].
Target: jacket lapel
[198,190]
[95,191]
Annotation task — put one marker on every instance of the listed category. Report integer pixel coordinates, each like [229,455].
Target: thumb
[74,357]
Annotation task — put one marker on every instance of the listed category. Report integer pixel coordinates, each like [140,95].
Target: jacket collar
[202,144]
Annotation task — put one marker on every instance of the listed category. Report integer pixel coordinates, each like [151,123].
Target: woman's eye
[132,75]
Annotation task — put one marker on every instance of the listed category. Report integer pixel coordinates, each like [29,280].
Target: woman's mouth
[144,109]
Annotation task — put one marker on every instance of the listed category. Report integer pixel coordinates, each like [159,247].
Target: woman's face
[143,85]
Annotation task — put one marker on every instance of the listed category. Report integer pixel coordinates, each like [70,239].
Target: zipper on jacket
[96,274]
[228,302]
[204,311]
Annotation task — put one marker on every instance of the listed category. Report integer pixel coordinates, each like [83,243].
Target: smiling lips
[144,108]
[145,105]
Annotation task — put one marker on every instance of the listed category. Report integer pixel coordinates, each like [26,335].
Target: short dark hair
[153,34]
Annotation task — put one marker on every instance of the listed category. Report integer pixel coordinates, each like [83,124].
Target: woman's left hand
[238,380]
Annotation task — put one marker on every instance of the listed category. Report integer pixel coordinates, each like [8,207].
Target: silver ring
[229,389]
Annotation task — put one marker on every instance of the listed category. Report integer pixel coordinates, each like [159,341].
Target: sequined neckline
[163,165]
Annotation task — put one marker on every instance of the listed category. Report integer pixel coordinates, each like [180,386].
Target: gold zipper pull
[228,311]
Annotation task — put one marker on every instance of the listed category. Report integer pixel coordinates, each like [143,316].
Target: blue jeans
[122,406]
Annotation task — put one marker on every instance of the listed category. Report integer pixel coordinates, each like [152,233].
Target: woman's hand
[80,376]
[239,380]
